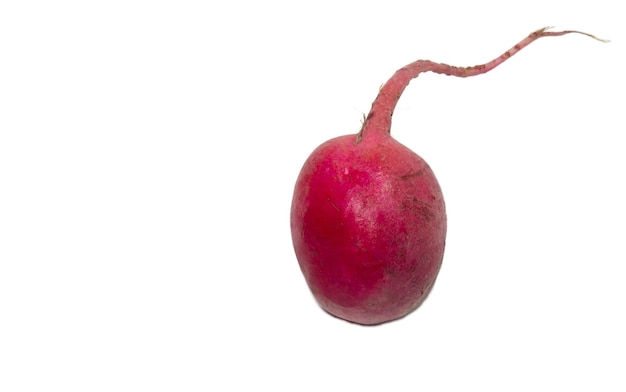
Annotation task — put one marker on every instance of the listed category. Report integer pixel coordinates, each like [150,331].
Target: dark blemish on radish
[334,205]
[390,272]
[412,174]
[423,209]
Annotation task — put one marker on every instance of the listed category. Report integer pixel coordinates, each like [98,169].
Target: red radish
[368,219]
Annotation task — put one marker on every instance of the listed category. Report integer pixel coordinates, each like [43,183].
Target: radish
[368,218]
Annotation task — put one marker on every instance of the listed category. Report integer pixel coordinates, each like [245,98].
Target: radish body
[368,218]
[369,226]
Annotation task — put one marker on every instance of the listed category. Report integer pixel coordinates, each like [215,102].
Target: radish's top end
[378,121]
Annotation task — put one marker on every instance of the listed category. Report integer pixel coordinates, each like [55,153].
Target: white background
[148,152]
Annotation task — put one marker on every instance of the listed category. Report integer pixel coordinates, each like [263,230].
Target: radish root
[378,121]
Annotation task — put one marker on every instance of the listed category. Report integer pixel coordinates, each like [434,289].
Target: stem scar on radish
[368,218]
